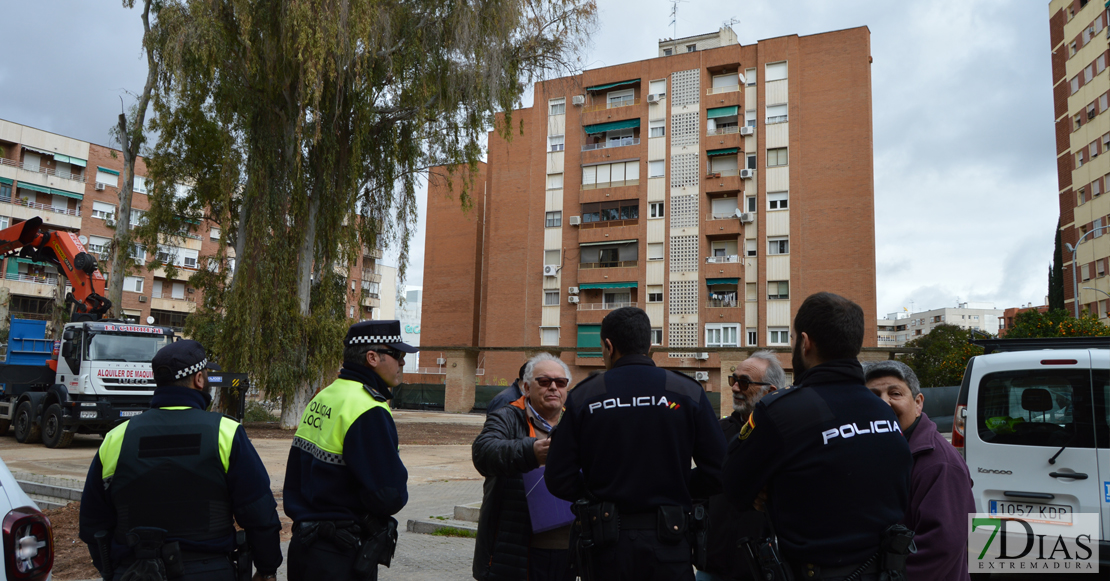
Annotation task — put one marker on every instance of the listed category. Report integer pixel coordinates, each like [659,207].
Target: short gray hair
[355,353]
[774,374]
[892,368]
[530,367]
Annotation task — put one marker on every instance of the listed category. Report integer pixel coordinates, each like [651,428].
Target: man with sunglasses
[514,441]
[344,478]
[753,378]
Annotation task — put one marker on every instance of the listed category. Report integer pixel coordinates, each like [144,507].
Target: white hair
[530,367]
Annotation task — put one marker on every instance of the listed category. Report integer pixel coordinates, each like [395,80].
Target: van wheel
[27,430]
[54,433]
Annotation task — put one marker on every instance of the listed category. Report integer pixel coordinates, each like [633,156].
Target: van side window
[1049,408]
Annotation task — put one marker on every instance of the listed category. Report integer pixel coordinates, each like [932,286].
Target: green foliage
[257,412]
[454,532]
[1056,323]
[944,354]
[1056,275]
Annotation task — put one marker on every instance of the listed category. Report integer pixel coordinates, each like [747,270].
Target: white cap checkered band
[376,339]
[196,367]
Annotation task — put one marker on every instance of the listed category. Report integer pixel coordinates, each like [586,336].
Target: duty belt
[811,571]
[640,521]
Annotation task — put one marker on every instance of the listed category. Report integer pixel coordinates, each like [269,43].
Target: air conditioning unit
[745,130]
[441,361]
[702,356]
[142,298]
[578,100]
[576,220]
[572,290]
[550,270]
[100,187]
[572,300]
[747,217]
[747,173]
[701,375]
[653,98]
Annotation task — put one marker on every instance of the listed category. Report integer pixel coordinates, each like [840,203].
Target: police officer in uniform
[165,485]
[825,458]
[345,478]
[624,446]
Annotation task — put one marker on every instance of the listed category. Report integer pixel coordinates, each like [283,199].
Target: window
[138,217]
[655,209]
[103,211]
[778,245]
[751,291]
[1078,122]
[1088,73]
[749,75]
[608,211]
[554,181]
[657,336]
[776,157]
[658,87]
[557,106]
[107,177]
[777,114]
[214,233]
[1049,406]
[749,248]
[1071,50]
[749,118]
[778,289]
[778,200]
[550,298]
[189,258]
[1074,85]
[753,338]
[610,175]
[776,71]
[1081,197]
[655,251]
[1096,227]
[691,47]
[778,336]
[138,253]
[551,258]
[1100,62]
[1091,112]
[555,143]
[657,129]
[5,191]
[616,299]
[721,335]
[655,293]
[98,245]
[667,52]
[620,98]
[133,284]
[751,161]
[553,220]
[549,336]
[750,204]
[1093,149]
[3,222]
[656,169]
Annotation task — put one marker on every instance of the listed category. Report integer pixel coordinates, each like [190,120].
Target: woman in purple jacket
[940,485]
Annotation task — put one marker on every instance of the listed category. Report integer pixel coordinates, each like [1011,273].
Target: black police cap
[378,333]
[179,360]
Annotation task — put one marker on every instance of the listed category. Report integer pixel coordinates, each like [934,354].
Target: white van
[1033,424]
[28,540]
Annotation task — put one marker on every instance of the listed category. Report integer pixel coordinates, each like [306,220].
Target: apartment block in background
[715,187]
[1081,95]
[897,329]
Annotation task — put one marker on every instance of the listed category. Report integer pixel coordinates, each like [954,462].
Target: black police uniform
[185,471]
[835,465]
[627,437]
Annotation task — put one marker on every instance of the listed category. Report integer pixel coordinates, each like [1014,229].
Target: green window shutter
[106,170]
[713,152]
[66,194]
[713,281]
[78,161]
[722,112]
[6,181]
[603,127]
[589,336]
[611,85]
[34,188]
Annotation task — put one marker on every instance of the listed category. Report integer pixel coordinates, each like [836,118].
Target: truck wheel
[27,430]
[54,433]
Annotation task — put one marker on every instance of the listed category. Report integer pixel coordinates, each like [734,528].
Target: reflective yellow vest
[329,415]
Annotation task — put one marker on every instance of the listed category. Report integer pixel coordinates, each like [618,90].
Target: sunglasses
[392,353]
[547,381]
[744,381]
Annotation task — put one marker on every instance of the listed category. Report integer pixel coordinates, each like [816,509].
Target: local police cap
[378,333]
[179,360]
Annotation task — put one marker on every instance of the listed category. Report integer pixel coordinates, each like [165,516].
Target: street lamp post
[1074,267]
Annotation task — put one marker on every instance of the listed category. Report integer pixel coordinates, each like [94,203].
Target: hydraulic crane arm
[65,251]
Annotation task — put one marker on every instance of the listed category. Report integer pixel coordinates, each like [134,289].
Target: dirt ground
[71,557]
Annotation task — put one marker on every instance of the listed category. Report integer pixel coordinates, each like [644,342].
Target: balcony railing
[610,223]
[66,175]
[723,130]
[719,90]
[28,203]
[441,371]
[614,104]
[168,295]
[777,119]
[722,259]
[605,306]
[47,279]
[613,143]
[717,216]
[610,184]
[720,173]
[620,264]
[722,303]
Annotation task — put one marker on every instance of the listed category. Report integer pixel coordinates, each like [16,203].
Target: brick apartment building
[74,185]
[715,186]
[1006,320]
[1081,94]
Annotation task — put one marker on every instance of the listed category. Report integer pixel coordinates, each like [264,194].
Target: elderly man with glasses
[753,378]
[514,441]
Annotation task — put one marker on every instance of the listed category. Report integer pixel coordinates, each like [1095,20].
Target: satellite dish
[150,320]
[738,212]
[84,239]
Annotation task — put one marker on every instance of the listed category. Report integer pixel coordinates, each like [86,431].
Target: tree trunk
[293,407]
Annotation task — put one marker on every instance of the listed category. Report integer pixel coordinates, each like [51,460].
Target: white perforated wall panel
[682,335]
[684,129]
[683,297]
[684,253]
[684,170]
[684,213]
[685,88]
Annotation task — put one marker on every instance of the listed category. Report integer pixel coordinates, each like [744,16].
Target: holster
[698,533]
[604,523]
[155,560]
[764,558]
[242,557]
[896,545]
[379,542]
[104,549]
[670,524]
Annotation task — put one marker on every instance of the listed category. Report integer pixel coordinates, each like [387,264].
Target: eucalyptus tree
[302,127]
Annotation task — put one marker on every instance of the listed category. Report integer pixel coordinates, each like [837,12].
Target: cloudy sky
[965,179]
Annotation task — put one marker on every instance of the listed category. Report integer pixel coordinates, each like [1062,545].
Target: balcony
[65,175]
[369,276]
[611,143]
[25,210]
[720,90]
[733,259]
[609,224]
[620,264]
[777,119]
[725,180]
[715,216]
[730,130]
[605,306]
[167,302]
[722,173]
[373,253]
[722,303]
[614,104]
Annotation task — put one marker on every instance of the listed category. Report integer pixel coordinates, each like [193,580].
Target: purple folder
[547,512]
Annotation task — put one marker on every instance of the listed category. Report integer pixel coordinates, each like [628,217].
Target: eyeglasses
[398,355]
[744,382]
[547,381]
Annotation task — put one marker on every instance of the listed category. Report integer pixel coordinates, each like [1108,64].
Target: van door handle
[1073,475]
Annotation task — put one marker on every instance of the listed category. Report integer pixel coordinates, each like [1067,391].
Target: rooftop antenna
[674,17]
